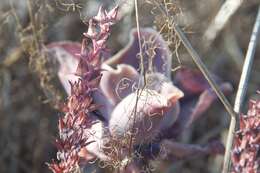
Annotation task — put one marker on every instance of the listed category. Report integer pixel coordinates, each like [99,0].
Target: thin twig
[241,92]
[229,144]
[13,57]
[139,90]
[32,20]
[247,64]
[233,49]
[196,58]
[224,14]
[139,38]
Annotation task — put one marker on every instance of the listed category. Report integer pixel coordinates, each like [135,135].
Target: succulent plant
[113,109]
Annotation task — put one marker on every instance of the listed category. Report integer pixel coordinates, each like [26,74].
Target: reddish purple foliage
[246,158]
[74,124]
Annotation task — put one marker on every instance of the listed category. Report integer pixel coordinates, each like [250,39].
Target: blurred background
[30,92]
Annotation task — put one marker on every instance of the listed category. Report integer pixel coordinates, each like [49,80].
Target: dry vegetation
[30,92]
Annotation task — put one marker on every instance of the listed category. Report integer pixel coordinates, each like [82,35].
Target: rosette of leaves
[135,113]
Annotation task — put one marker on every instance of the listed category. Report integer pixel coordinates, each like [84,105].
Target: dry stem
[224,14]
[241,92]
[196,58]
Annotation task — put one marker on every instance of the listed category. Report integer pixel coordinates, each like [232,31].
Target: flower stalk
[75,124]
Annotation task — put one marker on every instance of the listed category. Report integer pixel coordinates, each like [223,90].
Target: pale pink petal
[112,14]
[101,14]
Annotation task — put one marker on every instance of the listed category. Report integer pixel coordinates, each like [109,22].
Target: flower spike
[75,125]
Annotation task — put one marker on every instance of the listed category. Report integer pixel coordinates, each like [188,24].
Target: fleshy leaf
[192,108]
[118,83]
[65,53]
[191,81]
[143,114]
[155,52]
[175,150]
